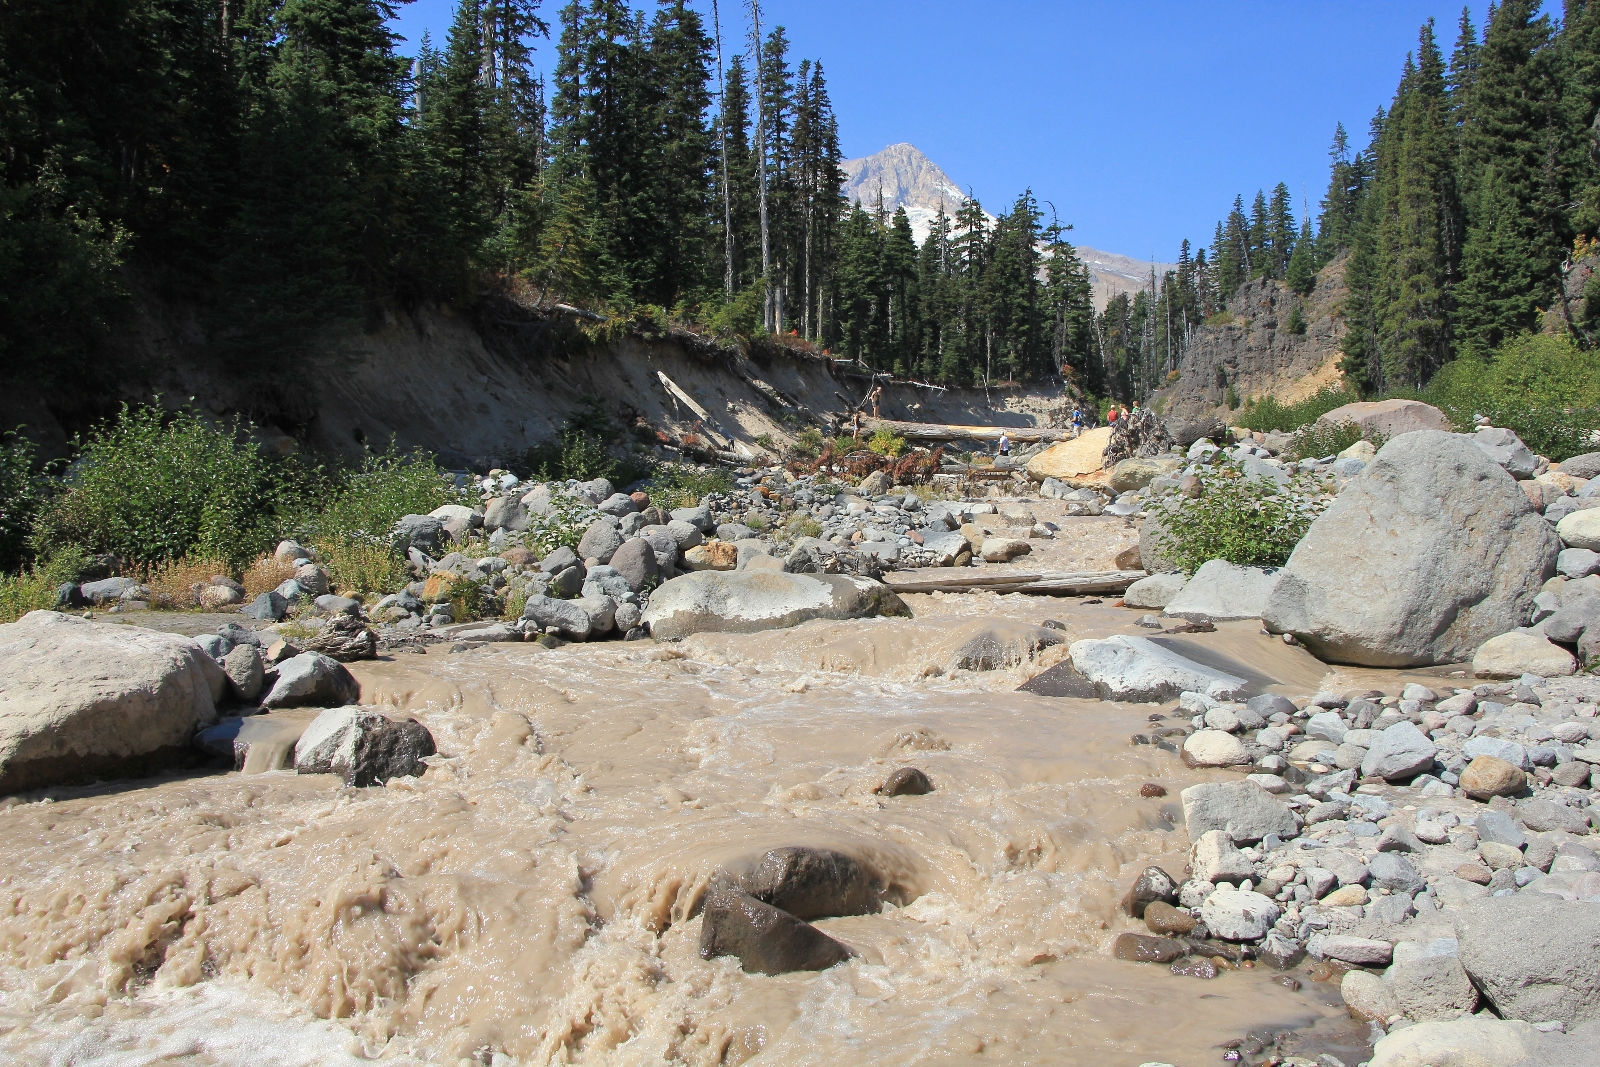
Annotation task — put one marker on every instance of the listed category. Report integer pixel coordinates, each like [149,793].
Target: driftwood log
[1006,580]
[932,431]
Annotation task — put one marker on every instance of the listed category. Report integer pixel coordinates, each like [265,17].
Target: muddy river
[533,898]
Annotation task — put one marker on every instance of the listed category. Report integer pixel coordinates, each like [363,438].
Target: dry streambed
[537,893]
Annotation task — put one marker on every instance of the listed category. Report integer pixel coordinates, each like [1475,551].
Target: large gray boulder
[567,618]
[1222,592]
[1156,591]
[1400,751]
[1242,810]
[425,533]
[600,541]
[1391,418]
[1154,555]
[1136,668]
[82,700]
[1506,449]
[636,563]
[752,600]
[1533,956]
[314,680]
[1426,555]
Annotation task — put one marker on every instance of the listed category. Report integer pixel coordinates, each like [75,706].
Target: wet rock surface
[764,939]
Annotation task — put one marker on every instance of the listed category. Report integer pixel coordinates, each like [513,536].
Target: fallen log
[1005,580]
[932,431]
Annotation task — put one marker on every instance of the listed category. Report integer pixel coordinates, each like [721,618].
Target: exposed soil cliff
[486,386]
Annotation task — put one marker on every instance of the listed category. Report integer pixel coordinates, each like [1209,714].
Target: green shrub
[561,525]
[1232,398]
[1320,439]
[808,442]
[1219,318]
[1543,387]
[149,486]
[1296,323]
[351,531]
[22,496]
[1251,522]
[683,485]
[766,442]
[34,588]
[368,501]
[582,450]
[741,316]
[887,443]
[1268,414]
[803,525]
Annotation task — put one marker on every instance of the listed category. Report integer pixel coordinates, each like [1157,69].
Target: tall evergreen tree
[1512,128]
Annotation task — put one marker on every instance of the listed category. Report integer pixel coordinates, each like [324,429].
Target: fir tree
[1301,273]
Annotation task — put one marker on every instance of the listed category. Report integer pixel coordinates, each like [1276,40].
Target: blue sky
[1139,120]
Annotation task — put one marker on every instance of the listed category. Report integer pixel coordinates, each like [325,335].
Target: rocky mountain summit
[905,177]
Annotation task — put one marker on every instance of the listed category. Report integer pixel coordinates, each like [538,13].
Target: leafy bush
[359,565]
[1268,413]
[1318,439]
[741,316]
[561,525]
[22,496]
[887,443]
[34,588]
[1254,523]
[582,450]
[1296,323]
[1219,318]
[266,573]
[369,500]
[766,442]
[683,485]
[1543,387]
[808,442]
[351,534]
[151,487]
[802,525]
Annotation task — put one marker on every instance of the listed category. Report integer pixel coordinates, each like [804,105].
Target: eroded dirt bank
[530,896]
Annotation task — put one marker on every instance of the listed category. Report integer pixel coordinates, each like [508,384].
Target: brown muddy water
[528,900]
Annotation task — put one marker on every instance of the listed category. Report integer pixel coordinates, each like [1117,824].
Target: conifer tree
[1301,273]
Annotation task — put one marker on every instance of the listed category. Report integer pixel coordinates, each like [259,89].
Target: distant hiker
[1005,444]
[1077,421]
[1111,416]
[875,396]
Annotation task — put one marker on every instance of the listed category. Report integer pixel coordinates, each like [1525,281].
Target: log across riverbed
[1000,580]
[933,431]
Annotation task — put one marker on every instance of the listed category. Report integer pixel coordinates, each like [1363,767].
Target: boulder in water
[753,600]
[83,700]
[310,678]
[812,883]
[765,939]
[1223,592]
[1136,668]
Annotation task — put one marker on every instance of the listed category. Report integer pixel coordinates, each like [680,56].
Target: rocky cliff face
[1256,354]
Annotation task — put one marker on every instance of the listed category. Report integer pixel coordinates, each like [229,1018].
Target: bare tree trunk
[761,156]
[722,134]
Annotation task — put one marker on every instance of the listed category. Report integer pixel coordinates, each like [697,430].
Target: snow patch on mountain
[902,176]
